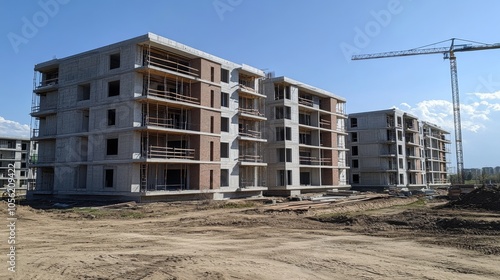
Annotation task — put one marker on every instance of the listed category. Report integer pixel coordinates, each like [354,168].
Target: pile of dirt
[487,198]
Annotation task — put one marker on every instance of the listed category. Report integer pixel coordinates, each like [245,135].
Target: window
[282,112]
[83,92]
[399,121]
[114,88]
[111,117]
[305,138]
[354,136]
[212,124]
[212,99]
[281,91]
[114,61]
[281,178]
[283,133]
[224,177]
[24,146]
[401,166]
[355,163]
[305,178]
[224,124]
[224,99]
[305,119]
[112,147]
[284,176]
[400,135]
[355,178]
[354,122]
[212,74]
[211,151]
[284,155]
[108,178]
[22,173]
[224,150]
[400,149]
[354,150]
[224,75]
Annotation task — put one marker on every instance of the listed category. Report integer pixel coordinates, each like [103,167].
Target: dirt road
[247,240]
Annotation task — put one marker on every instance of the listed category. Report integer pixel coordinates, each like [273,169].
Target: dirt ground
[383,238]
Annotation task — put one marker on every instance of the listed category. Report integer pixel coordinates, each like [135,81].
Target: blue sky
[309,41]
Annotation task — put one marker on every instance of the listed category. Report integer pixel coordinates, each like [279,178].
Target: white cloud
[10,128]
[488,96]
[474,115]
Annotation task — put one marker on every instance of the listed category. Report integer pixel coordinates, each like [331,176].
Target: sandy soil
[386,238]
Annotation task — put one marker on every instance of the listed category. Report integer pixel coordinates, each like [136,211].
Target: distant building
[391,148]
[488,170]
[15,154]
[436,149]
[472,173]
[497,170]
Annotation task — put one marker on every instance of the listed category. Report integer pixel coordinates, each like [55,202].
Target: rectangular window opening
[224,100]
[224,150]
[224,75]
[114,88]
[111,117]
[224,124]
[114,61]
[108,178]
[112,147]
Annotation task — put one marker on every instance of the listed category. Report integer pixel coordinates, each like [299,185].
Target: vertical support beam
[456,117]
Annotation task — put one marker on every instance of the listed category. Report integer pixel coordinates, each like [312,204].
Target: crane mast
[449,53]
[457,121]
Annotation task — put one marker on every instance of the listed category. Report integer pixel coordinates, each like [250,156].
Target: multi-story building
[436,146]
[306,138]
[15,154]
[148,118]
[488,170]
[386,149]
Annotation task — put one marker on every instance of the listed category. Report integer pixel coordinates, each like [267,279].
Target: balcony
[156,152]
[170,123]
[168,61]
[171,96]
[308,160]
[326,124]
[306,101]
[251,113]
[248,133]
[250,158]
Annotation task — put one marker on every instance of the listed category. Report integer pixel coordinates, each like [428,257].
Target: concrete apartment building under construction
[391,148]
[15,154]
[149,118]
[306,146]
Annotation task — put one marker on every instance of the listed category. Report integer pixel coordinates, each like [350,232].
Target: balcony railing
[250,133]
[49,82]
[170,153]
[250,111]
[167,123]
[165,94]
[325,123]
[305,101]
[170,62]
[305,160]
[250,158]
